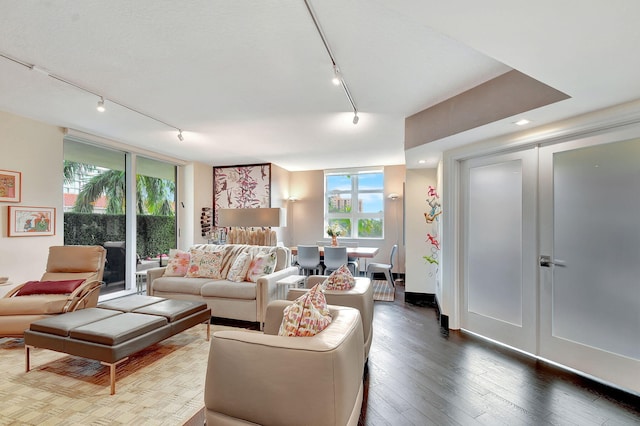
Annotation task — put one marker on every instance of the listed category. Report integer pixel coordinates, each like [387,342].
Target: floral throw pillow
[340,279]
[178,264]
[203,264]
[307,316]
[238,271]
[261,264]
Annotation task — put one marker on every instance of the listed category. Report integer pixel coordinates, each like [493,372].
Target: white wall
[421,277]
[34,149]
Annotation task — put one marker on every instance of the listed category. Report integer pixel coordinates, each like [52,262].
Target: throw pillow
[261,264]
[308,315]
[204,264]
[340,279]
[238,271]
[49,287]
[178,264]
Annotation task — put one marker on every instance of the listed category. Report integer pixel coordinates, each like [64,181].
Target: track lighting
[100,107]
[338,78]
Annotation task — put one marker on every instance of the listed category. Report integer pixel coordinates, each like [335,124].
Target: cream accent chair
[266,379]
[64,263]
[359,297]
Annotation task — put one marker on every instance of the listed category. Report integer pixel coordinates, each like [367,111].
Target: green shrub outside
[156,234]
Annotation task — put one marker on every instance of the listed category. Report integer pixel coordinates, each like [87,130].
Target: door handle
[546,262]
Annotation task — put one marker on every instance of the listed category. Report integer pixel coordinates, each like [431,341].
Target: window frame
[355,215]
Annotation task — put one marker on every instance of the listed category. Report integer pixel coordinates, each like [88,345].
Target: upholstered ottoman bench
[113,330]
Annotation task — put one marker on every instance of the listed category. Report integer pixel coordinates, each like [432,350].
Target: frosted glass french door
[590,234]
[499,297]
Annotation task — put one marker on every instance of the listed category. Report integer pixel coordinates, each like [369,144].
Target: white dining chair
[384,267]
[309,259]
[334,257]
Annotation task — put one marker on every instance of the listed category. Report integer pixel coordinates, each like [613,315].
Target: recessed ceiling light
[522,122]
[422,161]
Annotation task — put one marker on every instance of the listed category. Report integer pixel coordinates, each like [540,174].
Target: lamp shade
[259,217]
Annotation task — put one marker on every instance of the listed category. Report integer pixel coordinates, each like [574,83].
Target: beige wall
[35,150]
[306,216]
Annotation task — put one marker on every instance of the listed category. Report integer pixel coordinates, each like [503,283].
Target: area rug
[383,291]
[161,385]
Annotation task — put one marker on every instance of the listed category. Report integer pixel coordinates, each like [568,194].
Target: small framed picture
[10,186]
[31,221]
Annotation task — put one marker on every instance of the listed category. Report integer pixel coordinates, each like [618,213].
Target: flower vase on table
[334,231]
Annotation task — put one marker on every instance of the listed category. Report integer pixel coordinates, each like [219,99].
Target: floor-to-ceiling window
[99,192]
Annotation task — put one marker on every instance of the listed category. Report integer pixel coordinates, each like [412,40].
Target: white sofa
[246,301]
[266,379]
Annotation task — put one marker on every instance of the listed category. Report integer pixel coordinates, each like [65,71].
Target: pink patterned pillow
[308,315]
[238,271]
[262,264]
[340,279]
[204,264]
[178,264]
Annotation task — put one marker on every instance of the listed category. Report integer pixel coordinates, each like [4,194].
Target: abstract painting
[241,187]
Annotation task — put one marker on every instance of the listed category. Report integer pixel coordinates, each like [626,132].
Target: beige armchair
[359,297]
[263,378]
[17,311]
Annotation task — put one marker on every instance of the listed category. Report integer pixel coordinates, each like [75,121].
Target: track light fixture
[100,106]
[338,78]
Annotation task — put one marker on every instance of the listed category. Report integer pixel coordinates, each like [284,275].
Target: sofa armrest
[152,274]
[268,289]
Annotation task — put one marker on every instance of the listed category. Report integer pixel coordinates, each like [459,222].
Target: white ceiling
[249,81]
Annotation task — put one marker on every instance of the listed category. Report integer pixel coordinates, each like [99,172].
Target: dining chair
[309,259]
[335,257]
[384,267]
[353,261]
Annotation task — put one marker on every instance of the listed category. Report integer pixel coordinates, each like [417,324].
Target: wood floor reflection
[417,376]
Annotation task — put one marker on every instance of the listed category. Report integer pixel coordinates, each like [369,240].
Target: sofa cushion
[238,271]
[340,279]
[178,264]
[49,287]
[204,264]
[261,264]
[229,289]
[179,284]
[306,316]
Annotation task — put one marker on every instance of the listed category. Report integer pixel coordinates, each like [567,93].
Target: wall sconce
[293,199]
[393,196]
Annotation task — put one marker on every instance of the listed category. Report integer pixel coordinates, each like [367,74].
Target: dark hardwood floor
[417,376]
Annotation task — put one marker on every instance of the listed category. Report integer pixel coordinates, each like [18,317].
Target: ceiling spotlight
[356,118]
[336,76]
[100,106]
[180,137]
[522,122]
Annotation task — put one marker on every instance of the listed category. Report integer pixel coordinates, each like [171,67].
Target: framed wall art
[31,221]
[10,186]
[241,187]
